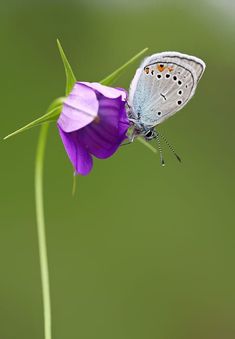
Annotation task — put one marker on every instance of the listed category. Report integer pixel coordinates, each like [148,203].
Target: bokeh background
[141,251]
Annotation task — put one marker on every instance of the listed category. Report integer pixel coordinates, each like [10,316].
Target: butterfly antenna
[160,149]
[170,146]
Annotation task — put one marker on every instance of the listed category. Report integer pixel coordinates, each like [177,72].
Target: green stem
[41,229]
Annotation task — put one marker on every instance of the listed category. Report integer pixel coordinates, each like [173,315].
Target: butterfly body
[162,85]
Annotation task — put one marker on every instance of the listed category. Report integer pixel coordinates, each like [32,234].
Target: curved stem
[41,229]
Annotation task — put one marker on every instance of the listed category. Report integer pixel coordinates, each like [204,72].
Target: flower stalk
[52,115]
[39,164]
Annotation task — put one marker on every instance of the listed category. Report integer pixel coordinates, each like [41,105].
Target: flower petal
[93,122]
[103,137]
[108,92]
[79,108]
[77,153]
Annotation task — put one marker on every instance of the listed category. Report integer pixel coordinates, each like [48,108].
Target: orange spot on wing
[161,67]
[170,69]
[146,70]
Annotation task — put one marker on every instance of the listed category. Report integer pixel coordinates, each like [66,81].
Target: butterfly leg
[131,138]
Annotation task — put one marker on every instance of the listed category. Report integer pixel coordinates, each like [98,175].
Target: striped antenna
[170,146]
[160,149]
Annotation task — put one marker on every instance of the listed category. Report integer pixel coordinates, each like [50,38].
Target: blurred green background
[141,251]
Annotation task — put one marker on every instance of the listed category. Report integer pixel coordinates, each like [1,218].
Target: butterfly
[162,85]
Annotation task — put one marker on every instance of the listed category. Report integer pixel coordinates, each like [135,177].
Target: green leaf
[70,77]
[110,79]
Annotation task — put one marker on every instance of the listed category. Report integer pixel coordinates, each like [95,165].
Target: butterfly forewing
[163,84]
[180,59]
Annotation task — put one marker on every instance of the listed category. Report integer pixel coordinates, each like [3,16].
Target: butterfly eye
[149,134]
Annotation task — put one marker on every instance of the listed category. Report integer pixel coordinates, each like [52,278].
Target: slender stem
[41,229]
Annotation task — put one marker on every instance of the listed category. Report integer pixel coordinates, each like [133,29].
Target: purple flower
[93,122]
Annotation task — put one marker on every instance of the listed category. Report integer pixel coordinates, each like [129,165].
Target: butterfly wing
[163,85]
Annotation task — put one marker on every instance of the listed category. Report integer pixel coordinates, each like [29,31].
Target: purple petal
[77,153]
[108,92]
[103,137]
[97,143]
[79,109]
[113,118]
[124,123]
[93,121]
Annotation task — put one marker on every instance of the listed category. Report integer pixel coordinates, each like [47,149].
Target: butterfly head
[149,133]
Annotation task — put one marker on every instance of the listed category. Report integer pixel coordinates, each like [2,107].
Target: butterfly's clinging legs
[131,138]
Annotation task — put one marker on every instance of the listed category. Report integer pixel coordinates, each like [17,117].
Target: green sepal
[53,112]
[147,144]
[70,77]
[110,79]
[55,108]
